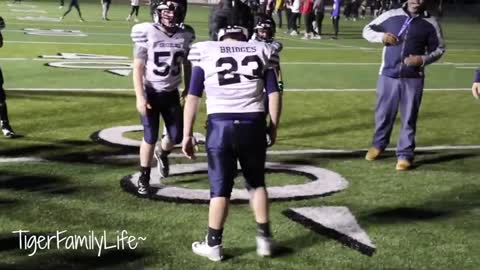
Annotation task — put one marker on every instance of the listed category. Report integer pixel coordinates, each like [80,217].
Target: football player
[5,126]
[233,73]
[265,32]
[160,52]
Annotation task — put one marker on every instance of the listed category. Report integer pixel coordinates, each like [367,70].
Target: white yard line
[457,65]
[344,47]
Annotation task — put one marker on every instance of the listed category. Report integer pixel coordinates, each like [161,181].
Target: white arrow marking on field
[121,72]
[338,219]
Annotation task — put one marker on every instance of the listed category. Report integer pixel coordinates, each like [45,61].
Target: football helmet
[232,18]
[265,29]
[170,14]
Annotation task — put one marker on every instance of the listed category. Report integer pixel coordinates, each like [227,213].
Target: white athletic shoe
[202,248]
[265,246]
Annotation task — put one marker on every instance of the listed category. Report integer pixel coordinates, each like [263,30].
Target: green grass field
[427,218]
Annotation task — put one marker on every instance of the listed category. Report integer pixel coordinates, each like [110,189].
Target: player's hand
[272,135]
[413,60]
[143,106]
[280,86]
[389,39]
[183,97]
[476,90]
[188,147]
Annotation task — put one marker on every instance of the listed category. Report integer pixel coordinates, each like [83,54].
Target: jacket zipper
[402,51]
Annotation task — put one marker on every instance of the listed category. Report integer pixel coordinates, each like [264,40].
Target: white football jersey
[163,55]
[234,74]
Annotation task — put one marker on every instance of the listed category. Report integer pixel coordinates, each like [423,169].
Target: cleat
[136,20]
[7,131]
[202,248]
[403,165]
[265,246]
[143,185]
[373,154]
[163,165]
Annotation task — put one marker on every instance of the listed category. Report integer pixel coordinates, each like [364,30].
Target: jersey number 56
[164,68]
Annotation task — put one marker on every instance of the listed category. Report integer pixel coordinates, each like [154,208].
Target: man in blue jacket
[413,39]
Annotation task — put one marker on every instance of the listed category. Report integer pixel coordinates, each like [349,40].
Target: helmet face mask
[264,34]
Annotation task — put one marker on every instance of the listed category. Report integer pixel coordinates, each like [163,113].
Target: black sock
[145,172]
[214,237]
[3,113]
[164,153]
[263,229]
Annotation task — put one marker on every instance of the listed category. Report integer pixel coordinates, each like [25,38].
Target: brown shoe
[373,153]
[403,165]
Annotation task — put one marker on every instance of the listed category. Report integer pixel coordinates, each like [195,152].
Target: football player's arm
[476,85]
[187,74]
[140,56]
[138,74]
[274,103]
[190,111]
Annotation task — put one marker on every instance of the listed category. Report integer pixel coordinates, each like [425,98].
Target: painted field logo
[336,222]
[54,32]
[118,65]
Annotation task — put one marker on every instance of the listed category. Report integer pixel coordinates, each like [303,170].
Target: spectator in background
[363,8]
[105,8]
[319,11]
[336,17]
[347,11]
[134,12]
[4,124]
[279,6]
[269,7]
[354,9]
[377,8]
[73,3]
[412,39]
[294,17]
[307,12]
[476,85]
[288,14]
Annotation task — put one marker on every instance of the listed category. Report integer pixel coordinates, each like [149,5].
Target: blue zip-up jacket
[337,4]
[477,76]
[422,36]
